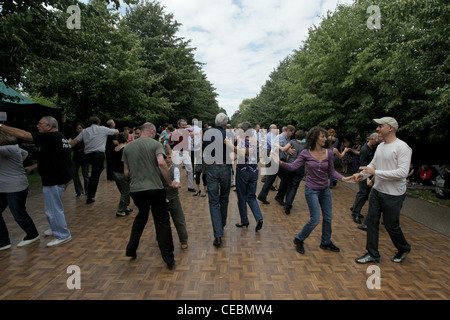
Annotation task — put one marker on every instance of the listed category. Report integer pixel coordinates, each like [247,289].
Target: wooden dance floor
[248,266]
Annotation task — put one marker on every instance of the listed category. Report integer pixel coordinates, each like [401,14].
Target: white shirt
[94,138]
[196,143]
[391,163]
[176,175]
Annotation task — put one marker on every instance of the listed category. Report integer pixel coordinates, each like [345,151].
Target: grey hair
[373,136]
[246,126]
[221,119]
[49,120]
[7,139]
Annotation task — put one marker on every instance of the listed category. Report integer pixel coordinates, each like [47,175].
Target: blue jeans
[246,192]
[218,179]
[16,202]
[316,200]
[55,211]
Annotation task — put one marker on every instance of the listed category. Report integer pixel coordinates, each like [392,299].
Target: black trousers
[96,161]
[361,197]
[156,199]
[390,206]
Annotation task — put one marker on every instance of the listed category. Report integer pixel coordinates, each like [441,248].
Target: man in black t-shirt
[54,167]
[365,186]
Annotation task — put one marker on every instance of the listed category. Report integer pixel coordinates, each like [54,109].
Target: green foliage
[345,74]
[132,70]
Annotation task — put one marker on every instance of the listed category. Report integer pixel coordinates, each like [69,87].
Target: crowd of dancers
[146,167]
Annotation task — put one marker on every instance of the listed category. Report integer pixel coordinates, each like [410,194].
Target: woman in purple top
[319,162]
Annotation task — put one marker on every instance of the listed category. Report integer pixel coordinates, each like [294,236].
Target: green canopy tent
[21,111]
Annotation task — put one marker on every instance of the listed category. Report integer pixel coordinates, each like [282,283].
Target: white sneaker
[57,242]
[48,232]
[5,247]
[23,243]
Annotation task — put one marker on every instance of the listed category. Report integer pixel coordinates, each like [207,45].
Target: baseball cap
[387,120]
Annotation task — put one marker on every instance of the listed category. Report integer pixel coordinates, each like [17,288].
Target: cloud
[242,41]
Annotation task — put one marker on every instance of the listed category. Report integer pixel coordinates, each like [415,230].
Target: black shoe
[264,201]
[287,210]
[217,241]
[366,259]
[90,200]
[170,264]
[363,227]
[128,211]
[242,225]
[299,246]
[197,193]
[259,225]
[280,202]
[400,256]
[330,247]
[356,219]
[191,190]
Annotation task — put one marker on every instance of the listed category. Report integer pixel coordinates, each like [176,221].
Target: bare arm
[18,133]
[165,172]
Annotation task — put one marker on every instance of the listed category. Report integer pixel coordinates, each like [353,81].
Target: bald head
[148,130]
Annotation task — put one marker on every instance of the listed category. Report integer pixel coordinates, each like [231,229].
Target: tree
[132,70]
[178,76]
[345,74]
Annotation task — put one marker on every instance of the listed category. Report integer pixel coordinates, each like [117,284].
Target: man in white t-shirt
[390,167]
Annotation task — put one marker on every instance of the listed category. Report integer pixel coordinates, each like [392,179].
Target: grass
[430,196]
[34,181]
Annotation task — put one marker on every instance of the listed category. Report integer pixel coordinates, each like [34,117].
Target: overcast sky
[242,41]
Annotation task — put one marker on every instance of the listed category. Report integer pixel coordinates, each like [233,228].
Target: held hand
[368,170]
[175,185]
[28,170]
[357,177]
[348,179]
[228,142]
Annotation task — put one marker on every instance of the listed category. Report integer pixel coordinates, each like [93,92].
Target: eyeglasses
[40,124]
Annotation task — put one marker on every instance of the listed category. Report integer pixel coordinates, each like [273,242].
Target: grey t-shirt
[140,158]
[12,173]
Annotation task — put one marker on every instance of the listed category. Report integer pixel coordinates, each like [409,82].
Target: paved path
[248,266]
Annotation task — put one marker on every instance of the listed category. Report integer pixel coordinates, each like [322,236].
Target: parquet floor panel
[248,266]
